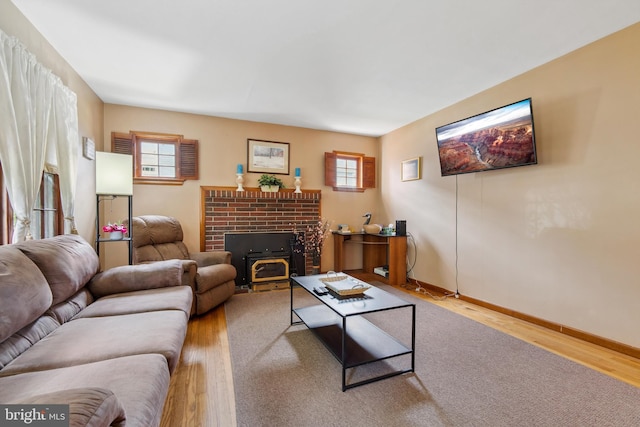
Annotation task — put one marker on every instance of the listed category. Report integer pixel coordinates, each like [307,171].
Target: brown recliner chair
[210,274]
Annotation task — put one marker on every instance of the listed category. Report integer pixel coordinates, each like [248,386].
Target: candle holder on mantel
[239,181]
[297,183]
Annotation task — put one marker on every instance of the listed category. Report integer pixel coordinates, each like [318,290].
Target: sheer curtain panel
[36,109]
[67,148]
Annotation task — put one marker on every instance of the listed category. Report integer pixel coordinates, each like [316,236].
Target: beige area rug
[467,374]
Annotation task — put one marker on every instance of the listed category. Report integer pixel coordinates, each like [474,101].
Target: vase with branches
[312,240]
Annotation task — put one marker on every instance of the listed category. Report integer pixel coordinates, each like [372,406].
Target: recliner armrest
[213,275]
[211,258]
[128,278]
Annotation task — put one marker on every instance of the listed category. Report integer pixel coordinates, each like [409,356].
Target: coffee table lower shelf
[353,340]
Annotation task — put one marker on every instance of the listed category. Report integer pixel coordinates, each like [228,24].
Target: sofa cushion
[139,382]
[173,298]
[88,406]
[22,340]
[65,311]
[92,339]
[67,262]
[24,292]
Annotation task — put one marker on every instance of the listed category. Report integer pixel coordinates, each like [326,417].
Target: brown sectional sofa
[105,343]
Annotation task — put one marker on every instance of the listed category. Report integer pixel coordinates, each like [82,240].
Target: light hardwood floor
[201,390]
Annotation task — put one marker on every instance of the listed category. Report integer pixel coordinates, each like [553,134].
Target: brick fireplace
[225,210]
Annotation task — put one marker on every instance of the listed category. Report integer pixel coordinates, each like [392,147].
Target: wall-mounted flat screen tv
[500,138]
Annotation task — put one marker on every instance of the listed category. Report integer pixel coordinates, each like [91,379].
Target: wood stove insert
[278,255]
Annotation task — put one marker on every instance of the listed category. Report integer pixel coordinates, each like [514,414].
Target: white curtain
[35,109]
[67,148]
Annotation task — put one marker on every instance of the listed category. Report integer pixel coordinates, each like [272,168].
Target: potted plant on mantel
[270,183]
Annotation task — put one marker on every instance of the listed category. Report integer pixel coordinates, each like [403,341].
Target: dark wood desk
[377,250]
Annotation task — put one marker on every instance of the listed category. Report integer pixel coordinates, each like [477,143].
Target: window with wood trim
[349,171]
[47,219]
[47,211]
[158,158]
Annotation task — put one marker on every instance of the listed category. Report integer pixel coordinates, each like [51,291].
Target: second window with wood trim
[345,171]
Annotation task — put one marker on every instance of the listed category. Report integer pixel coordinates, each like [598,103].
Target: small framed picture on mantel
[411,169]
[267,157]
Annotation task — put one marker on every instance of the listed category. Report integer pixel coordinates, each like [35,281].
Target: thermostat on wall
[88,148]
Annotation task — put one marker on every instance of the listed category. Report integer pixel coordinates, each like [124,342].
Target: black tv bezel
[476,117]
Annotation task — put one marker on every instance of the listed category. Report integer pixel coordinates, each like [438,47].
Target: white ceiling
[356,66]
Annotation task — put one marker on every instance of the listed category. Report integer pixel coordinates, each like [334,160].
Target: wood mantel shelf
[250,191]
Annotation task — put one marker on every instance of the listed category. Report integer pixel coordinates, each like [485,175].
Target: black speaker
[401,227]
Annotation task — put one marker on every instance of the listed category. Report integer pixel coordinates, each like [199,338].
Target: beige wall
[90,109]
[222,145]
[557,240]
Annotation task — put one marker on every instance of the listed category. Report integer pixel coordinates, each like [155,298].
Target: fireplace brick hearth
[225,210]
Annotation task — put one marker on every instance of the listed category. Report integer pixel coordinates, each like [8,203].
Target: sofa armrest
[190,269]
[128,278]
[211,258]
[88,407]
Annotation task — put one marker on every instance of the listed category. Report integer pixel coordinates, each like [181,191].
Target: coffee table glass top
[373,299]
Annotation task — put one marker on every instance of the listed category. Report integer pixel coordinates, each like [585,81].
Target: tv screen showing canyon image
[497,139]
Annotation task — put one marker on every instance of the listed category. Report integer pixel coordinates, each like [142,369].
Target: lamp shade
[114,174]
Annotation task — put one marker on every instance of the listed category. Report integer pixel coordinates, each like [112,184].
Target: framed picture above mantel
[267,157]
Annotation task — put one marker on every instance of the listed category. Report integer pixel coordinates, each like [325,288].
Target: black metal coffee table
[339,324]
